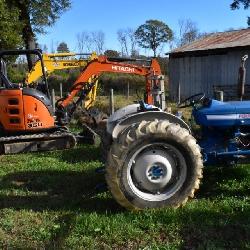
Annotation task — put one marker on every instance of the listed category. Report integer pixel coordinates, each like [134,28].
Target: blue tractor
[155,160]
[225,130]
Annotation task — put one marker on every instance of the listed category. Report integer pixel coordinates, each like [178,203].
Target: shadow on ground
[221,227]
[84,153]
[213,177]
[55,190]
[209,229]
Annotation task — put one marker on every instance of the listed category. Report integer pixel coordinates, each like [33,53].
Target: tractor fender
[130,114]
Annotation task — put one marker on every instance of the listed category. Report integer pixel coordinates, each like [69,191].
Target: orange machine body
[25,110]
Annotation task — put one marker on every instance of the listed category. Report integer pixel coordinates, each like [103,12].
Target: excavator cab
[3,72]
[4,81]
[24,109]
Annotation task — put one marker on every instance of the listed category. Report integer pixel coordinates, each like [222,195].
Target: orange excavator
[100,65]
[27,120]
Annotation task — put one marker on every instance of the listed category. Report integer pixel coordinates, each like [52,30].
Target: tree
[164,63]
[45,48]
[135,53]
[62,47]
[111,53]
[127,40]
[98,40]
[152,34]
[9,26]
[132,39]
[84,42]
[35,16]
[90,41]
[188,32]
[236,5]
[122,39]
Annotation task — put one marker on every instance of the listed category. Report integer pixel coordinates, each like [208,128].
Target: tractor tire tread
[118,149]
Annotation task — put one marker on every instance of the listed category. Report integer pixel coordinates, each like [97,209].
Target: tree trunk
[154,52]
[29,44]
[27,33]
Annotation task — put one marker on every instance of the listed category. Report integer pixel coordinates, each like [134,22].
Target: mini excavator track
[37,142]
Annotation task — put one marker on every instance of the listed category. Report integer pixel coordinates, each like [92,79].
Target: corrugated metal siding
[199,74]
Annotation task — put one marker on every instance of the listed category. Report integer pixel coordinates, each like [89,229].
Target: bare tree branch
[84,43]
[122,39]
[98,40]
[188,31]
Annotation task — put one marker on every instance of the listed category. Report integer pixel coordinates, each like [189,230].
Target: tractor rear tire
[152,165]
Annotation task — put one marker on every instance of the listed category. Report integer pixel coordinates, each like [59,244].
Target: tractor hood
[217,113]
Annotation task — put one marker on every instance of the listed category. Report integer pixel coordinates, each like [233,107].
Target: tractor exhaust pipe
[242,77]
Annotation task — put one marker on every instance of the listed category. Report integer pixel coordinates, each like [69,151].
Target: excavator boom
[61,61]
[57,61]
[103,64]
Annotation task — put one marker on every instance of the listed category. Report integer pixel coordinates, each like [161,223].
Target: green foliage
[62,47]
[66,77]
[111,53]
[44,13]
[152,34]
[34,16]
[237,3]
[119,82]
[15,74]
[163,61]
[40,13]
[107,81]
[9,26]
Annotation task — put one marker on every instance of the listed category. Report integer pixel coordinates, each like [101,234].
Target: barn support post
[163,97]
[179,93]
[242,77]
[111,102]
[61,90]
[128,90]
[219,95]
[53,98]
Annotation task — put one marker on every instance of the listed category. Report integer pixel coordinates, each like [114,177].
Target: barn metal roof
[220,40]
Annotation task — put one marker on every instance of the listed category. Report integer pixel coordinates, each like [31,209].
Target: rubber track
[41,136]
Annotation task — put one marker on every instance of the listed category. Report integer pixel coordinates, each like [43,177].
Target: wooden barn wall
[199,73]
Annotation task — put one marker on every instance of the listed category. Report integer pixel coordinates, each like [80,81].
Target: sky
[111,15]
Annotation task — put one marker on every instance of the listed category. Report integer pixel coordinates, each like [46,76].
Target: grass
[49,201]
[102,102]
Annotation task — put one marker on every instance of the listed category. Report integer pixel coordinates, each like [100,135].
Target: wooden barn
[208,64]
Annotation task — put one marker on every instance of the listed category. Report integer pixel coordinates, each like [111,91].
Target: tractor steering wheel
[191,100]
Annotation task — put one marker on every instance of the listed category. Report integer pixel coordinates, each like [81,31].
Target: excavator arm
[61,61]
[57,61]
[101,65]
